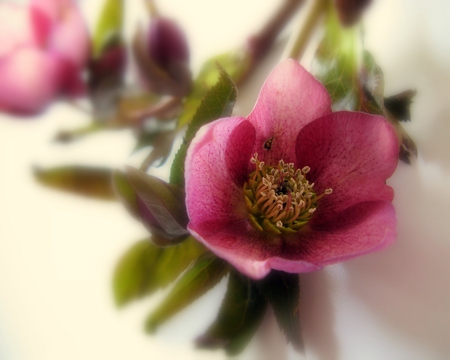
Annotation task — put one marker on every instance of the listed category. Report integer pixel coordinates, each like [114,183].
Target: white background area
[58,251]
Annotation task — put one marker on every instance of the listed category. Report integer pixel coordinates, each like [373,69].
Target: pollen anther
[280,197]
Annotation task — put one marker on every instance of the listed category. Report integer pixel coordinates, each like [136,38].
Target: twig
[315,14]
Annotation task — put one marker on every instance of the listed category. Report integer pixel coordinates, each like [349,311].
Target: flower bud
[162,56]
[167,43]
[350,10]
[105,80]
[110,65]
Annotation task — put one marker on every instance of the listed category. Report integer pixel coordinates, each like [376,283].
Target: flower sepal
[157,204]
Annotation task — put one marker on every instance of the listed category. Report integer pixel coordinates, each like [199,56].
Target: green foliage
[146,267]
[201,276]
[164,201]
[109,27]
[355,82]
[336,63]
[67,136]
[235,63]
[217,103]
[156,138]
[177,168]
[239,316]
[282,291]
[161,141]
[125,192]
[81,180]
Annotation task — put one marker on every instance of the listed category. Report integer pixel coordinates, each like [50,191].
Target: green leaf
[282,291]
[125,192]
[217,103]
[164,201]
[350,74]
[146,267]
[108,30]
[235,63]
[201,276]
[336,63]
[240,315]
[81,180]
[177,168]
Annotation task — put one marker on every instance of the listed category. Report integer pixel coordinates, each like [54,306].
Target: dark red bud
[350,10]
[167,43]
[111,64]
[162,57]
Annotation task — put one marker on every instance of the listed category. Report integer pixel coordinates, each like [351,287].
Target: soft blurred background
[58,251]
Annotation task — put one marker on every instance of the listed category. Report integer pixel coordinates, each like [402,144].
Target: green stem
[151,8]
[79,107]
[261,43]
[317,10]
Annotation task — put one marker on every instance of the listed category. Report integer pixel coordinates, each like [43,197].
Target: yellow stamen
[280,199]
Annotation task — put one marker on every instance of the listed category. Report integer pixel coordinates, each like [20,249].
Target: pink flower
[43,47]
[292,186]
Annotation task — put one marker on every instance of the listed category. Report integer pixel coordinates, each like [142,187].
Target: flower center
[280,199]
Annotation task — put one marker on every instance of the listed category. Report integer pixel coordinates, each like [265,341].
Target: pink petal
[29,81]
[364,228]
[15,29]
[215,168]
[351,152]
[66,32]
[42,24]
[244,247]
[290,98]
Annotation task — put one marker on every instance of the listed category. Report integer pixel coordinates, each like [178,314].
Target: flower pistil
[280,199]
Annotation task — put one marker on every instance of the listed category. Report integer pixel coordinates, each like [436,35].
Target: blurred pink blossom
[43,48]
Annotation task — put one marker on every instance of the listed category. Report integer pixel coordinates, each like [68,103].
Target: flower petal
[367,227]
[66,31]
[244,247]
[15,29]
[290,98]
[363,228]
[215,168]
[351,152]
[25,88]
